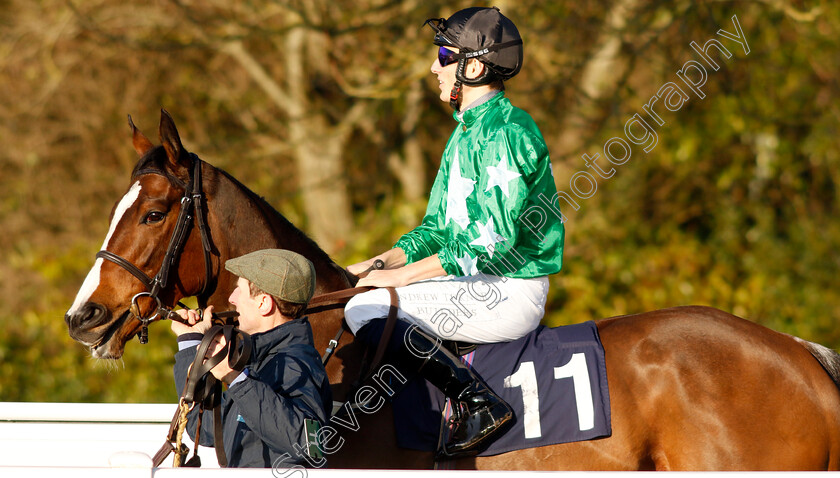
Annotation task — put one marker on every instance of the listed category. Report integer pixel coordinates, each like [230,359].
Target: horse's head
[142,227]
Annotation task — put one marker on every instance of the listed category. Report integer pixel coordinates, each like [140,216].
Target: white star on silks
[457,191]
[488,237]
[468,264]
[500,176]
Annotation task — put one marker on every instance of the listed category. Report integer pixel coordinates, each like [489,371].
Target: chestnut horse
[691,388]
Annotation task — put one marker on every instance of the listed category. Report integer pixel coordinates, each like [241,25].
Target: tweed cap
[284,274]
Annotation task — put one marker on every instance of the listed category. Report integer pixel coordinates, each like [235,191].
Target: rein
[204,390]
[315,306]
[193,201]
[192,205]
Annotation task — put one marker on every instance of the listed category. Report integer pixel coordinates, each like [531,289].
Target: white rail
[87,412]
[82,434]
[92,440]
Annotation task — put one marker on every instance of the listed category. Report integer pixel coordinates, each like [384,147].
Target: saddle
[554,380]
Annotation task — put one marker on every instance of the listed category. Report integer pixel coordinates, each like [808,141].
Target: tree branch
[271,88]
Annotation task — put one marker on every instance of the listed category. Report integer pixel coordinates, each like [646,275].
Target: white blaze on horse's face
[91,282]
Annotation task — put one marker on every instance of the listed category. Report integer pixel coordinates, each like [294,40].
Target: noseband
[192,202]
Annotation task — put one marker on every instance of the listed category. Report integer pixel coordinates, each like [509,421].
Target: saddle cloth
[554,379]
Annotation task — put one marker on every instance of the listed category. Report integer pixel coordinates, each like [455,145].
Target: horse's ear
[141,143]
[172,141]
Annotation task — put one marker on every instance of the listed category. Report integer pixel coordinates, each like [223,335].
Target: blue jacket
[264,414]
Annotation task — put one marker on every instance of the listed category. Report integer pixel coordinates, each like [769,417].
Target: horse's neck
[248,223]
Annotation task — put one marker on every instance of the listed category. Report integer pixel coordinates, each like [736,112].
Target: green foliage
[734,208]
[40,362]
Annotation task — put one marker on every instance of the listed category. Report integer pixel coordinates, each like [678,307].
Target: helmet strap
[487,75]
[455,96]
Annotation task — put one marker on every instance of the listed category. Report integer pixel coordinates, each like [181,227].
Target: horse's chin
[111,350]
[113,342]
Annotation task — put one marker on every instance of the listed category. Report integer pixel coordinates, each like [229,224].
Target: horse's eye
[154,217]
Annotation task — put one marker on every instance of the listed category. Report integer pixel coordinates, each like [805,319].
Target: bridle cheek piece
[191,202]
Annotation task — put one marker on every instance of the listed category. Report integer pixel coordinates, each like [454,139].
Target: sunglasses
[446,56]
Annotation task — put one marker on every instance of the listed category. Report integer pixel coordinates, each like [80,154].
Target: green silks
[490,210]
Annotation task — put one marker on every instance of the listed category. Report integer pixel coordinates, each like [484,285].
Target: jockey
[475,270]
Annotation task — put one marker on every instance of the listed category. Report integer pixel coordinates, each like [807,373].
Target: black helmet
[486,35]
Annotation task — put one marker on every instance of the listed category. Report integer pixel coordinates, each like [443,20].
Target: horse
[691,388]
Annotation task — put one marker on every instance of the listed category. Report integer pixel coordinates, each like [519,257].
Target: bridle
[192,203]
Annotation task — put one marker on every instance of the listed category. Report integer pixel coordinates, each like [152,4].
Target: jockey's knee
[365,307]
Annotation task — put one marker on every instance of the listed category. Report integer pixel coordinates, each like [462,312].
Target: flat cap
[282,273]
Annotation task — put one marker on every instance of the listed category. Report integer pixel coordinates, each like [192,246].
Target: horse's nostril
[88,323]
[89,316]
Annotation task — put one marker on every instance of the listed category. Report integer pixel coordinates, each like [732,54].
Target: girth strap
[317,305]
[390,323]
[320,302]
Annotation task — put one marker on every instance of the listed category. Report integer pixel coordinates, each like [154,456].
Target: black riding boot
[479,415]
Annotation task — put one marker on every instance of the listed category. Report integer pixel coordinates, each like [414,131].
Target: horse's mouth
[111,345]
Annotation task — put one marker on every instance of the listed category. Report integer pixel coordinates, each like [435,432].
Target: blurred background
[328,109]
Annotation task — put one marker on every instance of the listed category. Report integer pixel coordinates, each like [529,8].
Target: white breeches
[475,309]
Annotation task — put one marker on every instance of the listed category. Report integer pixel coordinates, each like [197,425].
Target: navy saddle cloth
[554,379]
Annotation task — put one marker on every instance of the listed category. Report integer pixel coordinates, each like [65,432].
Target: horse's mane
[154,161]
[275,215]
